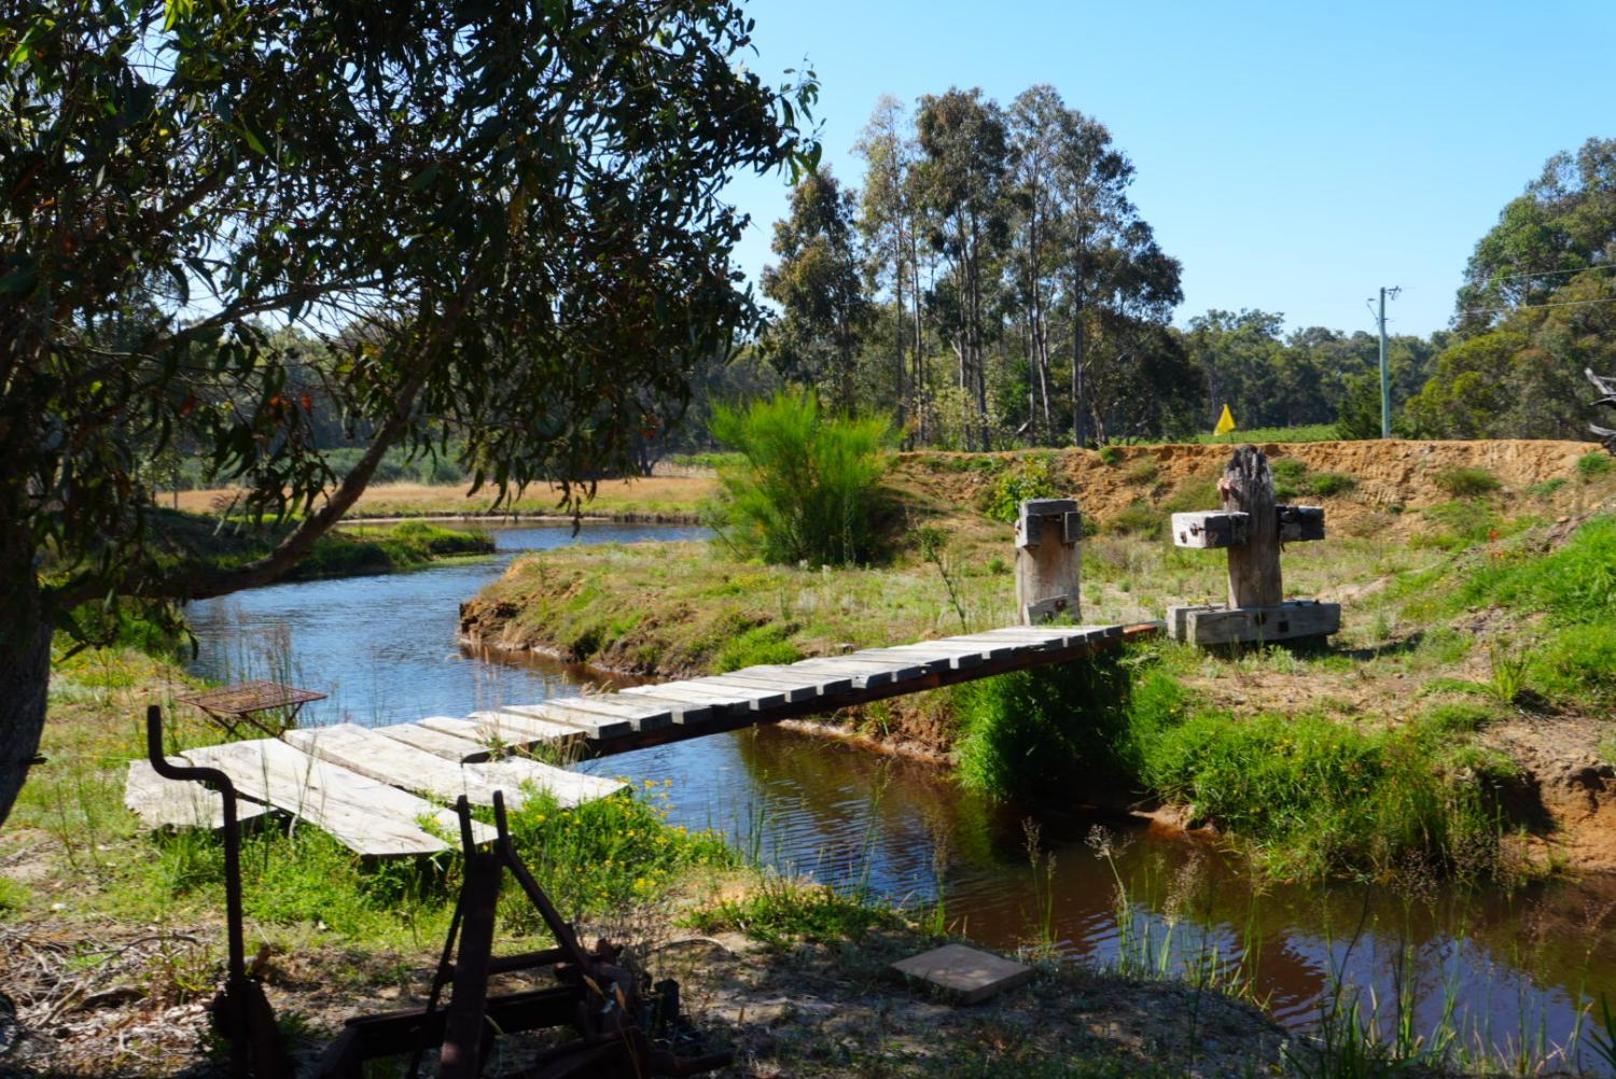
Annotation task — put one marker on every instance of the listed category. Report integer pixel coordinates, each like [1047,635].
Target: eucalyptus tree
[1037,119]
[498,219]
[962,177]
[887,219]
[818,284]
[1112,259]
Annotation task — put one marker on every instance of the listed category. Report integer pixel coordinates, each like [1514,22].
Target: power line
[1533,306]
[1554,273]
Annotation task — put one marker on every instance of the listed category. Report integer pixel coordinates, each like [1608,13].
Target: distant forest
[992,286]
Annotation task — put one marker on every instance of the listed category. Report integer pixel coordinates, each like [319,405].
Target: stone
[967,974]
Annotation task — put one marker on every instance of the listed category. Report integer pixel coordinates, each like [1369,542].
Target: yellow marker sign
[1225,422]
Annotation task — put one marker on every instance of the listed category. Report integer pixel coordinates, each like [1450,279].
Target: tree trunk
[25,652]
[1077,371]
[897,325]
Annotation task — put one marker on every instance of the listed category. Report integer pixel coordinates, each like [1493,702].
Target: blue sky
[1294,157]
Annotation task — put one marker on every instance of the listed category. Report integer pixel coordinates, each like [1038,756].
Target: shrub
[1110,455]
[808,487]
[1034,734]
[1138,518]
[1594,464]
[1330,484]
[1031,478]
[1289,476]
[1466,482]
[1143,471]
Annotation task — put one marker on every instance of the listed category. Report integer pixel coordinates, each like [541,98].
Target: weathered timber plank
[816,685]
[172,803]
[395,763]
[641,715]
[363,814]
[998,648]
[1287,621]
[508,727]
[391,761]
[1178,618]
[687,708]
[934,659]
[791,694]
[861,678]
[451,747]
[719,698]
[540,718]
[1209,529]
[900,671]
[1300,524]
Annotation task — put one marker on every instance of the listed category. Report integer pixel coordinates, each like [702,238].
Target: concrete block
[967,974]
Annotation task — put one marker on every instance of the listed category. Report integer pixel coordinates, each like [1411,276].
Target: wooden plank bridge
[381,790]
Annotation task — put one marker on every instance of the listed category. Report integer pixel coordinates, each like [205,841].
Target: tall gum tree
[500,220]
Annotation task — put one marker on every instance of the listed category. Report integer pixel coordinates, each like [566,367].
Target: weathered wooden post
[1048,560]
[1252,527]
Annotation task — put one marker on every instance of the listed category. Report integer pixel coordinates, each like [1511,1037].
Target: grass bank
[349,550]
[1441,731]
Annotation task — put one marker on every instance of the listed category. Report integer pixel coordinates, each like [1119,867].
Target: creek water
[1509,970]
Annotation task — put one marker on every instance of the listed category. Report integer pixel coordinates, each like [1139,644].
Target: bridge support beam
[1049,533]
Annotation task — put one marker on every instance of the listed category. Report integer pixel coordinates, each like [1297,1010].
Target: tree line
[992,285]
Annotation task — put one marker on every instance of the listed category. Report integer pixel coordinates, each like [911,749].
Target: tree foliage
[498,222]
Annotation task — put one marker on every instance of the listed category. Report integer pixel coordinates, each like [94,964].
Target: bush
[1594,464]
[1330,484]
[1035,734]
[1110,455]
[1031,478]
[1138,518]
[808,486]
[1466,482]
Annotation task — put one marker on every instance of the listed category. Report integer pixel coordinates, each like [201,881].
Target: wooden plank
[719,697]
[365,815]
[1178,618]
[900,671]
[537,717]
[399,765]
[989,651]
[645,716]
[817,685]
[499,727]
[1211,529]
[1287,621]
[929,660]
[175,803]
[789,693]
[857,679]
[684,707]
[568,788]
[450,747]
[1300,524]
[935,659]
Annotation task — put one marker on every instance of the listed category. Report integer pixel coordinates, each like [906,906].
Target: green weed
[1032,477]
[1593,464]
[1110,455]
[768,643]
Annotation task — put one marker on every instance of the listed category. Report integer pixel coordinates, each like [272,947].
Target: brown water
[1513,967]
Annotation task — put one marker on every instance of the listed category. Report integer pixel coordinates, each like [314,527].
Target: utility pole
[1385,371]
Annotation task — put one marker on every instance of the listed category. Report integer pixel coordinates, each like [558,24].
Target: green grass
[780,911]
[1595,463]
[1312,432]
[1292,478]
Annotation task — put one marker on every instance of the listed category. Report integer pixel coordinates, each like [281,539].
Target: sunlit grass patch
[778,911]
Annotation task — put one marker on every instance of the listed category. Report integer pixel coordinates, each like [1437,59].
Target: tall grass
[807,488]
